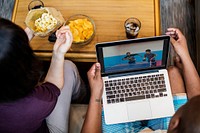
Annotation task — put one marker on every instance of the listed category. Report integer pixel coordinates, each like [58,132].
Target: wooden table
[108,15]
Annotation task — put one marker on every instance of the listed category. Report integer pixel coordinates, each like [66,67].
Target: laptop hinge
[133,73]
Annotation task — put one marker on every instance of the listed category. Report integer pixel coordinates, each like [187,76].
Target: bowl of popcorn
[44,21]
[82,28]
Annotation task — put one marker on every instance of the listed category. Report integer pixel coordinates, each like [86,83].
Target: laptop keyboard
[135,88]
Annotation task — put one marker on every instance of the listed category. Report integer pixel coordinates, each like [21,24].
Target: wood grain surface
[180,14]
[108,15]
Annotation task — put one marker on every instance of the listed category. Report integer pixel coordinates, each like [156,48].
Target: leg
[176,81]
[57,121]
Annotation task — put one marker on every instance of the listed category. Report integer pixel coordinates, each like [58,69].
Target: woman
[26,107]
[190,83]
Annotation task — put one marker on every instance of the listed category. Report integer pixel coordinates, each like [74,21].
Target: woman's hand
[64,40]
[95,81]
[178,41]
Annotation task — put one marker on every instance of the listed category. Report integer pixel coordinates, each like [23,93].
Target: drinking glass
[132,27]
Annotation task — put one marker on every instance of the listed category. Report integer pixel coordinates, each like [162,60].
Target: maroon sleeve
[29,113]
[45,98]
[47,91]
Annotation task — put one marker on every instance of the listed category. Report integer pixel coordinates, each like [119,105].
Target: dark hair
[190,117]
[148,50]
[19,72]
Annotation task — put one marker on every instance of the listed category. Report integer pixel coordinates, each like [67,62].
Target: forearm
[92,123]
[29,33]
[191,77]
[55,73]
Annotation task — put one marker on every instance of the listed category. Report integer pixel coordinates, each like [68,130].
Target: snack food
[45,22]
[81,29]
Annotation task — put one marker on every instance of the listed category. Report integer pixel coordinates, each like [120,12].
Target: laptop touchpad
[139,110]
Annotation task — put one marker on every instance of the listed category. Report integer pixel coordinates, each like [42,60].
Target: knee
[69,66]
[173,70]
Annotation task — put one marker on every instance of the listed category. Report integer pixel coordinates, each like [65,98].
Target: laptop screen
[132,55]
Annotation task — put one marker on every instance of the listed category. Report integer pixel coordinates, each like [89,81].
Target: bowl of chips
[82,28]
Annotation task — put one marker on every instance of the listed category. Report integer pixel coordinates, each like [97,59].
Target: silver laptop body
[136,83]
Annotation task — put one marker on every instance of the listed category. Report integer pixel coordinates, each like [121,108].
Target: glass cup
[132,27]
[34,4]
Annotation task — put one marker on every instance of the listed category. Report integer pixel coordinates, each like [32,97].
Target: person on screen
[150,57]
[130,57]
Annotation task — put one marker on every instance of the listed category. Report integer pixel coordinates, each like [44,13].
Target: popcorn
[45,22]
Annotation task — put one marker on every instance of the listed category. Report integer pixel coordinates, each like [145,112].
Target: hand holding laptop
[95,81]
[92,123]
[178,41]
[190,73]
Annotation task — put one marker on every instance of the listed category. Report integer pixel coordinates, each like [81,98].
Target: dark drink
[132,27]
[35,4]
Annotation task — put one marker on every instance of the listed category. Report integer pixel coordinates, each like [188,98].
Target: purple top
[28,114]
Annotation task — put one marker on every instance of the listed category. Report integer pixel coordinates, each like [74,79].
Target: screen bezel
[100,57]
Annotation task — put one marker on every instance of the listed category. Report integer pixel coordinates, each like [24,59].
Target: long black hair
[19,71]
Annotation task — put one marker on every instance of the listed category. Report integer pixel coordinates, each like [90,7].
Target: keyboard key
[161,94]
[108,89]
[117,100]
[108,101]
[117,95]
[110,96]
[106,85]
[134,98]
[162,90]
[109,93]
[165,95]
[113,100]
[148,96]
[121,99]
[152,95]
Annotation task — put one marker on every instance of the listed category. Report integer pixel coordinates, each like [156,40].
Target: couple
[26,106]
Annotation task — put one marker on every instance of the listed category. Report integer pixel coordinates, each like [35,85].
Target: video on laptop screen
[132,56]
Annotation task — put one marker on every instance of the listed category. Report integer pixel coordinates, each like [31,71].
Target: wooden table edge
[78,57]
[157,17]
[14,10]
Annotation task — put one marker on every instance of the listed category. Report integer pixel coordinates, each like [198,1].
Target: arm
[92,123]
[190,75]
[29,33]
[154,55]
[55,73]
[125,58]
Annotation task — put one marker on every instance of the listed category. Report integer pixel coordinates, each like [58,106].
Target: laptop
[136,82]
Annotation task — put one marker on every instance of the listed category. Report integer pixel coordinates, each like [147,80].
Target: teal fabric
[134,127]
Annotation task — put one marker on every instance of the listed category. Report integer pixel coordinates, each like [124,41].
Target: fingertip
[98,65]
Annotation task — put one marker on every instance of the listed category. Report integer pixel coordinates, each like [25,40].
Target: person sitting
[185,120]
[25,106]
